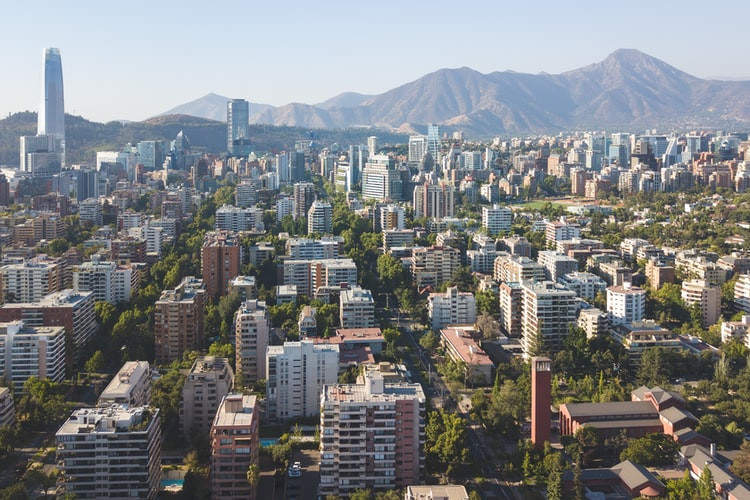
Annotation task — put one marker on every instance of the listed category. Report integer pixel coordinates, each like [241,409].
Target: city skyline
[313,55]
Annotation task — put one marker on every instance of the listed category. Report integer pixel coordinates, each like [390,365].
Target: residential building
[461,347]
[252,333]
[393,238]
[31,280]
[108,281]
[434,201]
[296,373]
[585,285]
[235,219]
[736,329]
[178,320]
[482,260]
[658,273]
[309,275]
[497,219]
[556,265]
[210,379]
[221,257]
[357,308]
[510,295]
[245,287]
[431,266]
[437,492]
[561,230]
[389,218]
[28,351]
[742,293]
[7,408]
[112,452]
[72,310]
[130,387]
[639,336]
[516,268]
[320,217]
[548,310]
[626,304]
[90,210]
[304,195]
[327,247]
[593,321]
[451,308]
[515,245]
[235,446]
[371,436]
[706,296]
[307,324]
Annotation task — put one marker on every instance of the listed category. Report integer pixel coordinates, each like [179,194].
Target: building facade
[178,320]
[252,333]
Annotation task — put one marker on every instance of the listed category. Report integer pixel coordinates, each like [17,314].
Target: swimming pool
[165,483]
[266,442]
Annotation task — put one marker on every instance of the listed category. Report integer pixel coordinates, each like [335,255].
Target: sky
[133,60]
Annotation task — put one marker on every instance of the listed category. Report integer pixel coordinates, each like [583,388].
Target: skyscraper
[52,110]
[433,141]
[238,114]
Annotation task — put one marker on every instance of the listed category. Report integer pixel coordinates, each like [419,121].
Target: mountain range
[628,90]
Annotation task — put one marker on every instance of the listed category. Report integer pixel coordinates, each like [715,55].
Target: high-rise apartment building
[320,217]
[417,149]
[556,265]
[626,304]
[31,280]
[72,310]
[109,282]
[708,298]
[238,134]
[371,436]
[295,375]
[510,295]
[210,379]
[431,266]
[304,195]
[112,452]
[31,351]
[178,320]
[235,446]
[497,219]
[252,333]
[235,219]
[451,308]
[548,310]
[434,201]
[357,308]
[221,257]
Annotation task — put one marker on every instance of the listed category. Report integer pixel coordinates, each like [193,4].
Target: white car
[295,470]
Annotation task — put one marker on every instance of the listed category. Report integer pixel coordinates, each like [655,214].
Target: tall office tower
[298,167]
[297,372]
[87,184]
[417,149]
[282,167]
[320,218]
[372,436]
[221,257]
[112,452]
[252,332]
[381,180]
[372,145]
[51,120]
[433,141]
[304,195]
[178,320]
[234,447]
[238,115]
[541,398]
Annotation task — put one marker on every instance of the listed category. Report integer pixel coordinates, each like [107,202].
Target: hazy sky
[134,59]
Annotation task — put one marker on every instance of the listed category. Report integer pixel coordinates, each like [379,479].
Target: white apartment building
[112,452]
[252,333]
[131,386]
[30,280]
[89,210]
[736,329]
[109,282]
[31,352]
[371,436]
[431,266]
[284,207]
[626,304]
[356,308]
[585,285]
[593,321]
[548,310]
[296,373]
[451,308]
[707,296]
[516,268]
[391,217]
[561,230]
[497,219]
[327,247]
[229,218]
[7,407]
[482,260]
[742,293]
[308,275]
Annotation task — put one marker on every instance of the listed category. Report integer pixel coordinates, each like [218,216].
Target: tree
[361,495]
[429,341]
[555,484]
[489,327]
[390,271]
[705,489]
[741,463]
[680,489]
[487,303]
[95,364]
[578,489]
[651,450]
[253,475]
[446,438]
[653,369]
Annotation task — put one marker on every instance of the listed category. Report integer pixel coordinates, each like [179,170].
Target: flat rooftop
[236,410]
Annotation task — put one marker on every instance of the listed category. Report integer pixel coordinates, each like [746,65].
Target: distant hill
[628,90]
[211,106]
[84,138]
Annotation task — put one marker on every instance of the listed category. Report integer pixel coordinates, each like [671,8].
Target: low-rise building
[131,386]
[357,308]
[461,347]
[639,336]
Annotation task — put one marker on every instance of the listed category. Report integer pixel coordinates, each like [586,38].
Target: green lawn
[536,205]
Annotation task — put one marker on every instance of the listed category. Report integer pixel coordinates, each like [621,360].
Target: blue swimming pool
[172,482]
[266,442]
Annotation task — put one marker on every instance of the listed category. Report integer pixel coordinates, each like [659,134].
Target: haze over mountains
[628,90]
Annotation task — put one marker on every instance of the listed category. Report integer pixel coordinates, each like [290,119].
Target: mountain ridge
[628,89]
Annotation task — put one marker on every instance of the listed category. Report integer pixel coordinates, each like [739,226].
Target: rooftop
[111,419]
[235,410]
[613,409]
[465,346]
[123,382]
[360,393]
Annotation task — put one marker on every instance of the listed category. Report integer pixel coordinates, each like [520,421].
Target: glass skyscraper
[52,110]
[238,114]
